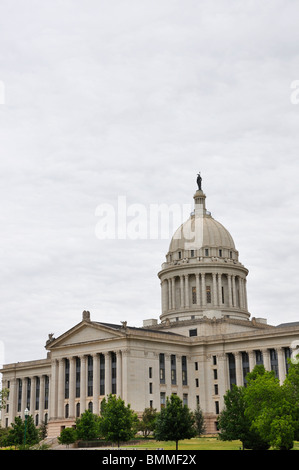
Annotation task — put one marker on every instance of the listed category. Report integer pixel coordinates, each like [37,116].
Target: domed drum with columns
[202,275]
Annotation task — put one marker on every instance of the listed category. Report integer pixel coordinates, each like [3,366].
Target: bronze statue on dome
[199,179]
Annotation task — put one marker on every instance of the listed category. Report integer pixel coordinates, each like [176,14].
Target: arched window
[67,410]
[78,410]
[90,406]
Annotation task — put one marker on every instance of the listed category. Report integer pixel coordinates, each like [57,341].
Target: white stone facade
[204,342]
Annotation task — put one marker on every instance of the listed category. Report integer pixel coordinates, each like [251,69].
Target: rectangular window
[194,295]
[78,371]
[19,394]
[173,369]
[102,374]
[185,399]
[196,383]
[214,360]
[28,392]
[245,365]
[232,369]
[47,385]
[287,355]
[216,389]
[90,376]
[150,372]
[162,368]
[180,255]
[192,253]
[196,365]
[162,399]
[37,393]
[206,252]
[215,374]
[217,407]
[184,370]
[220,253]
[258,357]
[66,378]
[150,387]
[208,291]
[113,365]
[222,294]
[274,361]
[193,332]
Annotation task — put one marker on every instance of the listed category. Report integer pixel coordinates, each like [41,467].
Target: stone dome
[201,232]
[201,236]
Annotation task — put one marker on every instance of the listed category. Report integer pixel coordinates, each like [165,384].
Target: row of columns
[281,362]
[54,405]
[57,395]
[236,291]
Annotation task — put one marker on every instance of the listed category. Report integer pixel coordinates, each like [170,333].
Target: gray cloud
[134,98]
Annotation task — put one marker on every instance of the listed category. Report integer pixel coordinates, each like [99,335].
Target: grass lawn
[201,443]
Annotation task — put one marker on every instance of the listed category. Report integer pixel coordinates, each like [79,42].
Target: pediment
[84,332]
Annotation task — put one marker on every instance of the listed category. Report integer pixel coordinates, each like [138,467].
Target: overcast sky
[131,99]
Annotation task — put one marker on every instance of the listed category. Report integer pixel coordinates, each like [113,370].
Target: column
[197,289]
[182,291]
[72,387]
[164,295]
[173,292]
[215,303]
[24,394]
[125,366]
[281,365]
[119,373]
[266,359]
[169,294]
[13,400]
[53,391]
[239,370]
[61,378]
[229,283]
[167,374]
[83,384]
[108,376]
[223,376]
[186,290]
[241,290]
[203,289]
[96,382]
[251,355]
[234,291]
[41,398]
[32,395]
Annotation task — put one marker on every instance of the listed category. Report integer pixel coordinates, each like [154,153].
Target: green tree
[175,422]
[3,397]
[199,421]
[234,424]
[269,409]
[118,422]
[67,436]
[87,426]
[147,423]
[17,431]
[291,388]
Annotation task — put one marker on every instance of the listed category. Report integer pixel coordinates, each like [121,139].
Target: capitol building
[204,341]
